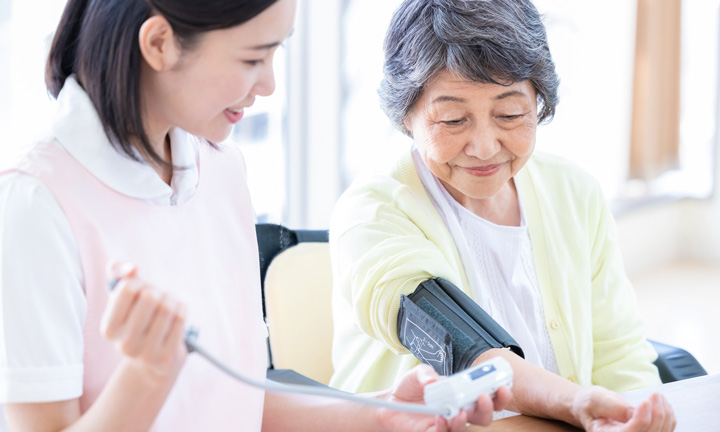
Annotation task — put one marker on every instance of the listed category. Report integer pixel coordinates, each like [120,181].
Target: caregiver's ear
[157,43]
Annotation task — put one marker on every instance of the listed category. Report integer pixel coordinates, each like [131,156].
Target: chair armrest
[289,376]
[675,364]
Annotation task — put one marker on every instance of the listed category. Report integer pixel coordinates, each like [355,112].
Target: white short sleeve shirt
[42,303]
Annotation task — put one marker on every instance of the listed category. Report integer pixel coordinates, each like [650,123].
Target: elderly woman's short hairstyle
[487,41]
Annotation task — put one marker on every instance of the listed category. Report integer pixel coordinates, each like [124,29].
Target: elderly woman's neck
[503,208]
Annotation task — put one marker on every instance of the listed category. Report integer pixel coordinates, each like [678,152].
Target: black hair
[97,40]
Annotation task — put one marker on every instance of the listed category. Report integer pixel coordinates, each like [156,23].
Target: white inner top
[499,266]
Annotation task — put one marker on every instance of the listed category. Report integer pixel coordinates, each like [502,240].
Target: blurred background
[638,109]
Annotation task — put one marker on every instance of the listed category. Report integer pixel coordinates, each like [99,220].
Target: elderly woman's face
[474,137]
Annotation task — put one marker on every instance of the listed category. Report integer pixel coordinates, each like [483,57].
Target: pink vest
[203,252]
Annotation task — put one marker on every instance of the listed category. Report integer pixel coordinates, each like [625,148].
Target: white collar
[77,128]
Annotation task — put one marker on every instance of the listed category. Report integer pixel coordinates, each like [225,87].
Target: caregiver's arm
[302,413]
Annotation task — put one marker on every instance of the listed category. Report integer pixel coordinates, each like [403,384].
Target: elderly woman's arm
[385,240]
[623,359]
[540,393]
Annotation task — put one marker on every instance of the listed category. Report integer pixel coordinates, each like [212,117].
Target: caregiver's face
[474,137]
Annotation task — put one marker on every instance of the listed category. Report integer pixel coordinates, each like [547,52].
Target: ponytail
[63,51]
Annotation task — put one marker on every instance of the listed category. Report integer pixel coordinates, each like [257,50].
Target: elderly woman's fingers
[641,420]
[607,404]
[662,413]
[653,415]
[671,420]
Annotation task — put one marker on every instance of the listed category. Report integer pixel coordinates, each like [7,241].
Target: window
[593,119]
[698,102]
[370,142]
[677,60]
[261,137]
[26,106]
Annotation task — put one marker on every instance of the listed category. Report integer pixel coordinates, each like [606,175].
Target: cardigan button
[555,324]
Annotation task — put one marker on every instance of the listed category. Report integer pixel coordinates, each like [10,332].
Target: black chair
[673,363]
[273,240]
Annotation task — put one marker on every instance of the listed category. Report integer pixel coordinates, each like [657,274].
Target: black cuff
[424,337]
[439,318]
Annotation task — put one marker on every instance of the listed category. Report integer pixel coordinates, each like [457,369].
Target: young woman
[137,173]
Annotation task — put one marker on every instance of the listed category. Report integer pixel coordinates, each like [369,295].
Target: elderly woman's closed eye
[527,238]
[474,137]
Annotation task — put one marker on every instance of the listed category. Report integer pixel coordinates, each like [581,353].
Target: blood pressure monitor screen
[479,373]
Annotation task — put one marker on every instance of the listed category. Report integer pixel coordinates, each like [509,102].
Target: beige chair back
[298,287]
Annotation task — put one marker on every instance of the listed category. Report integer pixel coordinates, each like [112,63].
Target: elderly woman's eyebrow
[504,95]
[446,98]
[509,93]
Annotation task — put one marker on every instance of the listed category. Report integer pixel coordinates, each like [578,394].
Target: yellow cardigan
[386,237]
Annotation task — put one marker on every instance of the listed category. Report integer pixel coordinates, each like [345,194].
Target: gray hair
[487,41]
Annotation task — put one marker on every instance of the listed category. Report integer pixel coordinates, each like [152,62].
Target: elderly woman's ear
[408,123]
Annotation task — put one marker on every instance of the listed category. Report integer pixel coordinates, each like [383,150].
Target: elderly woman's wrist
[581,402]
[569,412]
[538,392]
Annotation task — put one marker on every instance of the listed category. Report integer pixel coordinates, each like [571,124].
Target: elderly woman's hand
[600,410]
[411,389]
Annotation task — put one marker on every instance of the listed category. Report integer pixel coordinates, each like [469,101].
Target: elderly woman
[529,238]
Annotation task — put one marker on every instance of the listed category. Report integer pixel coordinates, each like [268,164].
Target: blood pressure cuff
[446,329]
